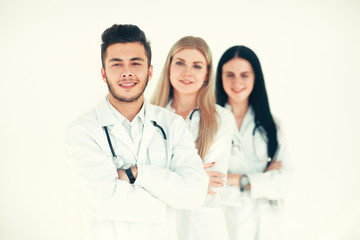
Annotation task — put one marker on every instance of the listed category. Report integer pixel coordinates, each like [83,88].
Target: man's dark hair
[124,33]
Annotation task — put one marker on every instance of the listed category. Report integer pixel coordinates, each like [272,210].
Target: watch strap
[130,175]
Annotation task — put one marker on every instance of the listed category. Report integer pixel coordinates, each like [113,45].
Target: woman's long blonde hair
[164,92]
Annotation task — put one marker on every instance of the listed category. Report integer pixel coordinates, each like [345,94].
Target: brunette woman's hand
[275,165]
[233,179]
[215,178]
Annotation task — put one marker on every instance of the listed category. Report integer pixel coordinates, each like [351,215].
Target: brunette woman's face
[188,71]
[238,80]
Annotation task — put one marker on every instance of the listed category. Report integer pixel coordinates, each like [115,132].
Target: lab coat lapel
[247,122]
[124,138]
[104,114]
[147,134]
[107,118]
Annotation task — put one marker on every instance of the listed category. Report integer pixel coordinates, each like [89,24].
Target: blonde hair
[164,92]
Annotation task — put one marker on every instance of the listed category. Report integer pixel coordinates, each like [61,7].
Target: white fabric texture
[256,214]
[208,221]
[170,174]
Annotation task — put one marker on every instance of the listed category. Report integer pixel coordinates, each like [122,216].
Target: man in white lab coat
[135,162]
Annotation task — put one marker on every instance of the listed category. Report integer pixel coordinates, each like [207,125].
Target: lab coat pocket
[259,165]
[191,224]
[259,156]
[157,158]
[156,152]
[270,221]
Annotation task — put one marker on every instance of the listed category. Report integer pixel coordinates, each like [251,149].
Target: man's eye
[229,75]
[136,64]
[116,64]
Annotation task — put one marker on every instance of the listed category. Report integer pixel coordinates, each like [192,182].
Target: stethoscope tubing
[110,143]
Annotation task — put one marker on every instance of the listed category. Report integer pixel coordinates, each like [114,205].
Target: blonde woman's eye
[197,66]
[179,63]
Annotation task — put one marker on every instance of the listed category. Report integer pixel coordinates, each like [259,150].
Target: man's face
[126,71]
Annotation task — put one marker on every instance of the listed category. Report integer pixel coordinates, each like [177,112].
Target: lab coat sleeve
[184,184]
[220,151]
[97,177]
[273,184]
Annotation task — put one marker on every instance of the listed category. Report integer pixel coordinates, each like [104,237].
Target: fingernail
[213,163]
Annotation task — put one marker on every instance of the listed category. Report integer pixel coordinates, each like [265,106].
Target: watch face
[244,181]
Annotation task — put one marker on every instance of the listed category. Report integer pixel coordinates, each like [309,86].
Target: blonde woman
[186,87]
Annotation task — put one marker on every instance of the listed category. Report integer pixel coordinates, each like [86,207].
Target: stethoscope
[118,160]
[237,148]
[192,113]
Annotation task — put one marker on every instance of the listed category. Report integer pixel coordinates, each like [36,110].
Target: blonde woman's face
[238,79]
[188,71]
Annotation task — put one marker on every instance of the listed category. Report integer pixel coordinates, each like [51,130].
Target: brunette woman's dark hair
[258,99]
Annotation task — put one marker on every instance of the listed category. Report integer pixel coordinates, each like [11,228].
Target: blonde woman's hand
[215,178]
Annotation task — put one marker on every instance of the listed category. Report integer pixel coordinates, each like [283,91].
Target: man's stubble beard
[124,99]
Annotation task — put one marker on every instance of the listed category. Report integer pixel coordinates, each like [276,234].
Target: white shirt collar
[121,118]
[248,118]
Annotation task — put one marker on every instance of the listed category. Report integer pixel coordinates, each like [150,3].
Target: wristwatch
[130,175]
[244,182]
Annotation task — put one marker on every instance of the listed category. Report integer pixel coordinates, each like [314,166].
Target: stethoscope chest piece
[235,149]
[118,161]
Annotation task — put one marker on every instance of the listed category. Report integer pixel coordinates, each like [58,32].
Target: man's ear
[103,74]
[150,72]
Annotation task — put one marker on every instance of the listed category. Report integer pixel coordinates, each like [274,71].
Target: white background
[50,74]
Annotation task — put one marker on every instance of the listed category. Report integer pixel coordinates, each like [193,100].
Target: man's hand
[123,176]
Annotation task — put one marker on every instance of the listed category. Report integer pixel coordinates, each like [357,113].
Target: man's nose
[127,72]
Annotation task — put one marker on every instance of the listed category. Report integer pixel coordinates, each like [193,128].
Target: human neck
[183,104]
[239,110]
[127,109]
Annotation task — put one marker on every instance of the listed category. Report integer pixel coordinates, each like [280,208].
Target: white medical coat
[170,176]
[208,221]
[255,214]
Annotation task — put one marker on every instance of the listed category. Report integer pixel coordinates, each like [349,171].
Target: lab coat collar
[193,113]
[104,114]
[148,131]
[248,118]
[107,117]
[149,114]
[121,118]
